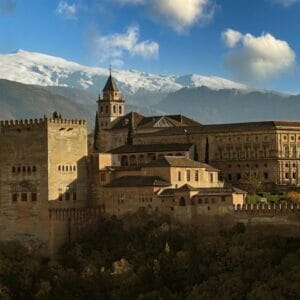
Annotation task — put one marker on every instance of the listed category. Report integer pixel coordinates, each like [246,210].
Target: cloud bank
[113,48]
[257,58]
[66,10]
[178,14]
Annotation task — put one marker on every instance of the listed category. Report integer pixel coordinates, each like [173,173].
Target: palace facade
[51,185]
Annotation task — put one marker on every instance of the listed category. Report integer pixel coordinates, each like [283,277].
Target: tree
[252,182]
[96,132]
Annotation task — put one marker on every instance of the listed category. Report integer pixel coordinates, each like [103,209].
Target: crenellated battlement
[41,123]
[286,208]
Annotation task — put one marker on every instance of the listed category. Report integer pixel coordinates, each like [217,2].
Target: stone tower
[111,107]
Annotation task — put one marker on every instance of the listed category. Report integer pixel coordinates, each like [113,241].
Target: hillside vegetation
[144,257]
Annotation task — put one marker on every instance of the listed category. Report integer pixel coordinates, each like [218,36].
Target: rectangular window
[179,176]
[188,175]
[102,177]
[196,175]
[14,169]
[286,175]
[74,196]
[14,197]
[211,177]
[266,175]
[60,197]
[24,197]
[67,196]
[33,197]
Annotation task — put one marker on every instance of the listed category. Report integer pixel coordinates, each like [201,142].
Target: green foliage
[146,257]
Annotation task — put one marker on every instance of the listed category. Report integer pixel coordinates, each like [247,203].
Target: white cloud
[285,3]
[231,37]
[67,10]
[114,47]
[260,58]
[179,14]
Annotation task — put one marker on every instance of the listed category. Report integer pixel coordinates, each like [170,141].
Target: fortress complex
[51,186]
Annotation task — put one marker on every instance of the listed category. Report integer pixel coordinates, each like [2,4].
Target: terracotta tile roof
[218,191]
[138,181]
[141,148]
[178,161]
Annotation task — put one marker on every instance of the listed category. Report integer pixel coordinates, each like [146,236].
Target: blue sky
[251,41]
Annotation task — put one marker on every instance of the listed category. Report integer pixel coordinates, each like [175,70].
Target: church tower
[111,106]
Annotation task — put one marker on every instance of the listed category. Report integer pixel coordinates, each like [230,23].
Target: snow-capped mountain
[45,70]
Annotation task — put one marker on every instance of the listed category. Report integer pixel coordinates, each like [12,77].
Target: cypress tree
[207,151]
[96,132]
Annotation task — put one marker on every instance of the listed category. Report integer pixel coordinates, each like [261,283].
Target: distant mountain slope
[138,87]
[227,106]
[20,101]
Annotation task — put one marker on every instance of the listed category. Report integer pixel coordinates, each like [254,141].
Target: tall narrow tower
[111,107]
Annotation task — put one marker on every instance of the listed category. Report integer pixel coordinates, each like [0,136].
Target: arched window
[182,201]
[120,109]
[179,176]
[67,168]
[106,109]
[124,160]
[141,159]
[59,168]
[132,160]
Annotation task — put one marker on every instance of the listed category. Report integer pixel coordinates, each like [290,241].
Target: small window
[33,197]
[67,196]
[211,177]
[14,197]
[106,109]
[188,175]
[19,169]
[266,175]
[34,169]
[179,176]
[67,168]
[102,177]
[223,199]
[196,175]
[60,197]
[29,169]
[200,201]
[229,177]
[24,197]
[286,175]
[114,109]
[74,168]
[13,169]
[59,168]
[238,176]
[120,109]
[24,169]
[294,175]
[63,168]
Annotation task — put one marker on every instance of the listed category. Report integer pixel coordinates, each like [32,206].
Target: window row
[145,199]
[244,138]
[24,197]
[239,176]
[188,175]
[67,196]
[66,168]
[247,166]
[115,108]
[23,169]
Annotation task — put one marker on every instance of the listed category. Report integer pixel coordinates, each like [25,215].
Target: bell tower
[111,105]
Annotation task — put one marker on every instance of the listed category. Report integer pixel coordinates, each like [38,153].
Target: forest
[149,257]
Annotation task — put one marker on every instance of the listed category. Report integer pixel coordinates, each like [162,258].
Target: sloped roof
[110,85]
[138,181]
[142,148]
[178,161]
[142,122]
[220,128]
